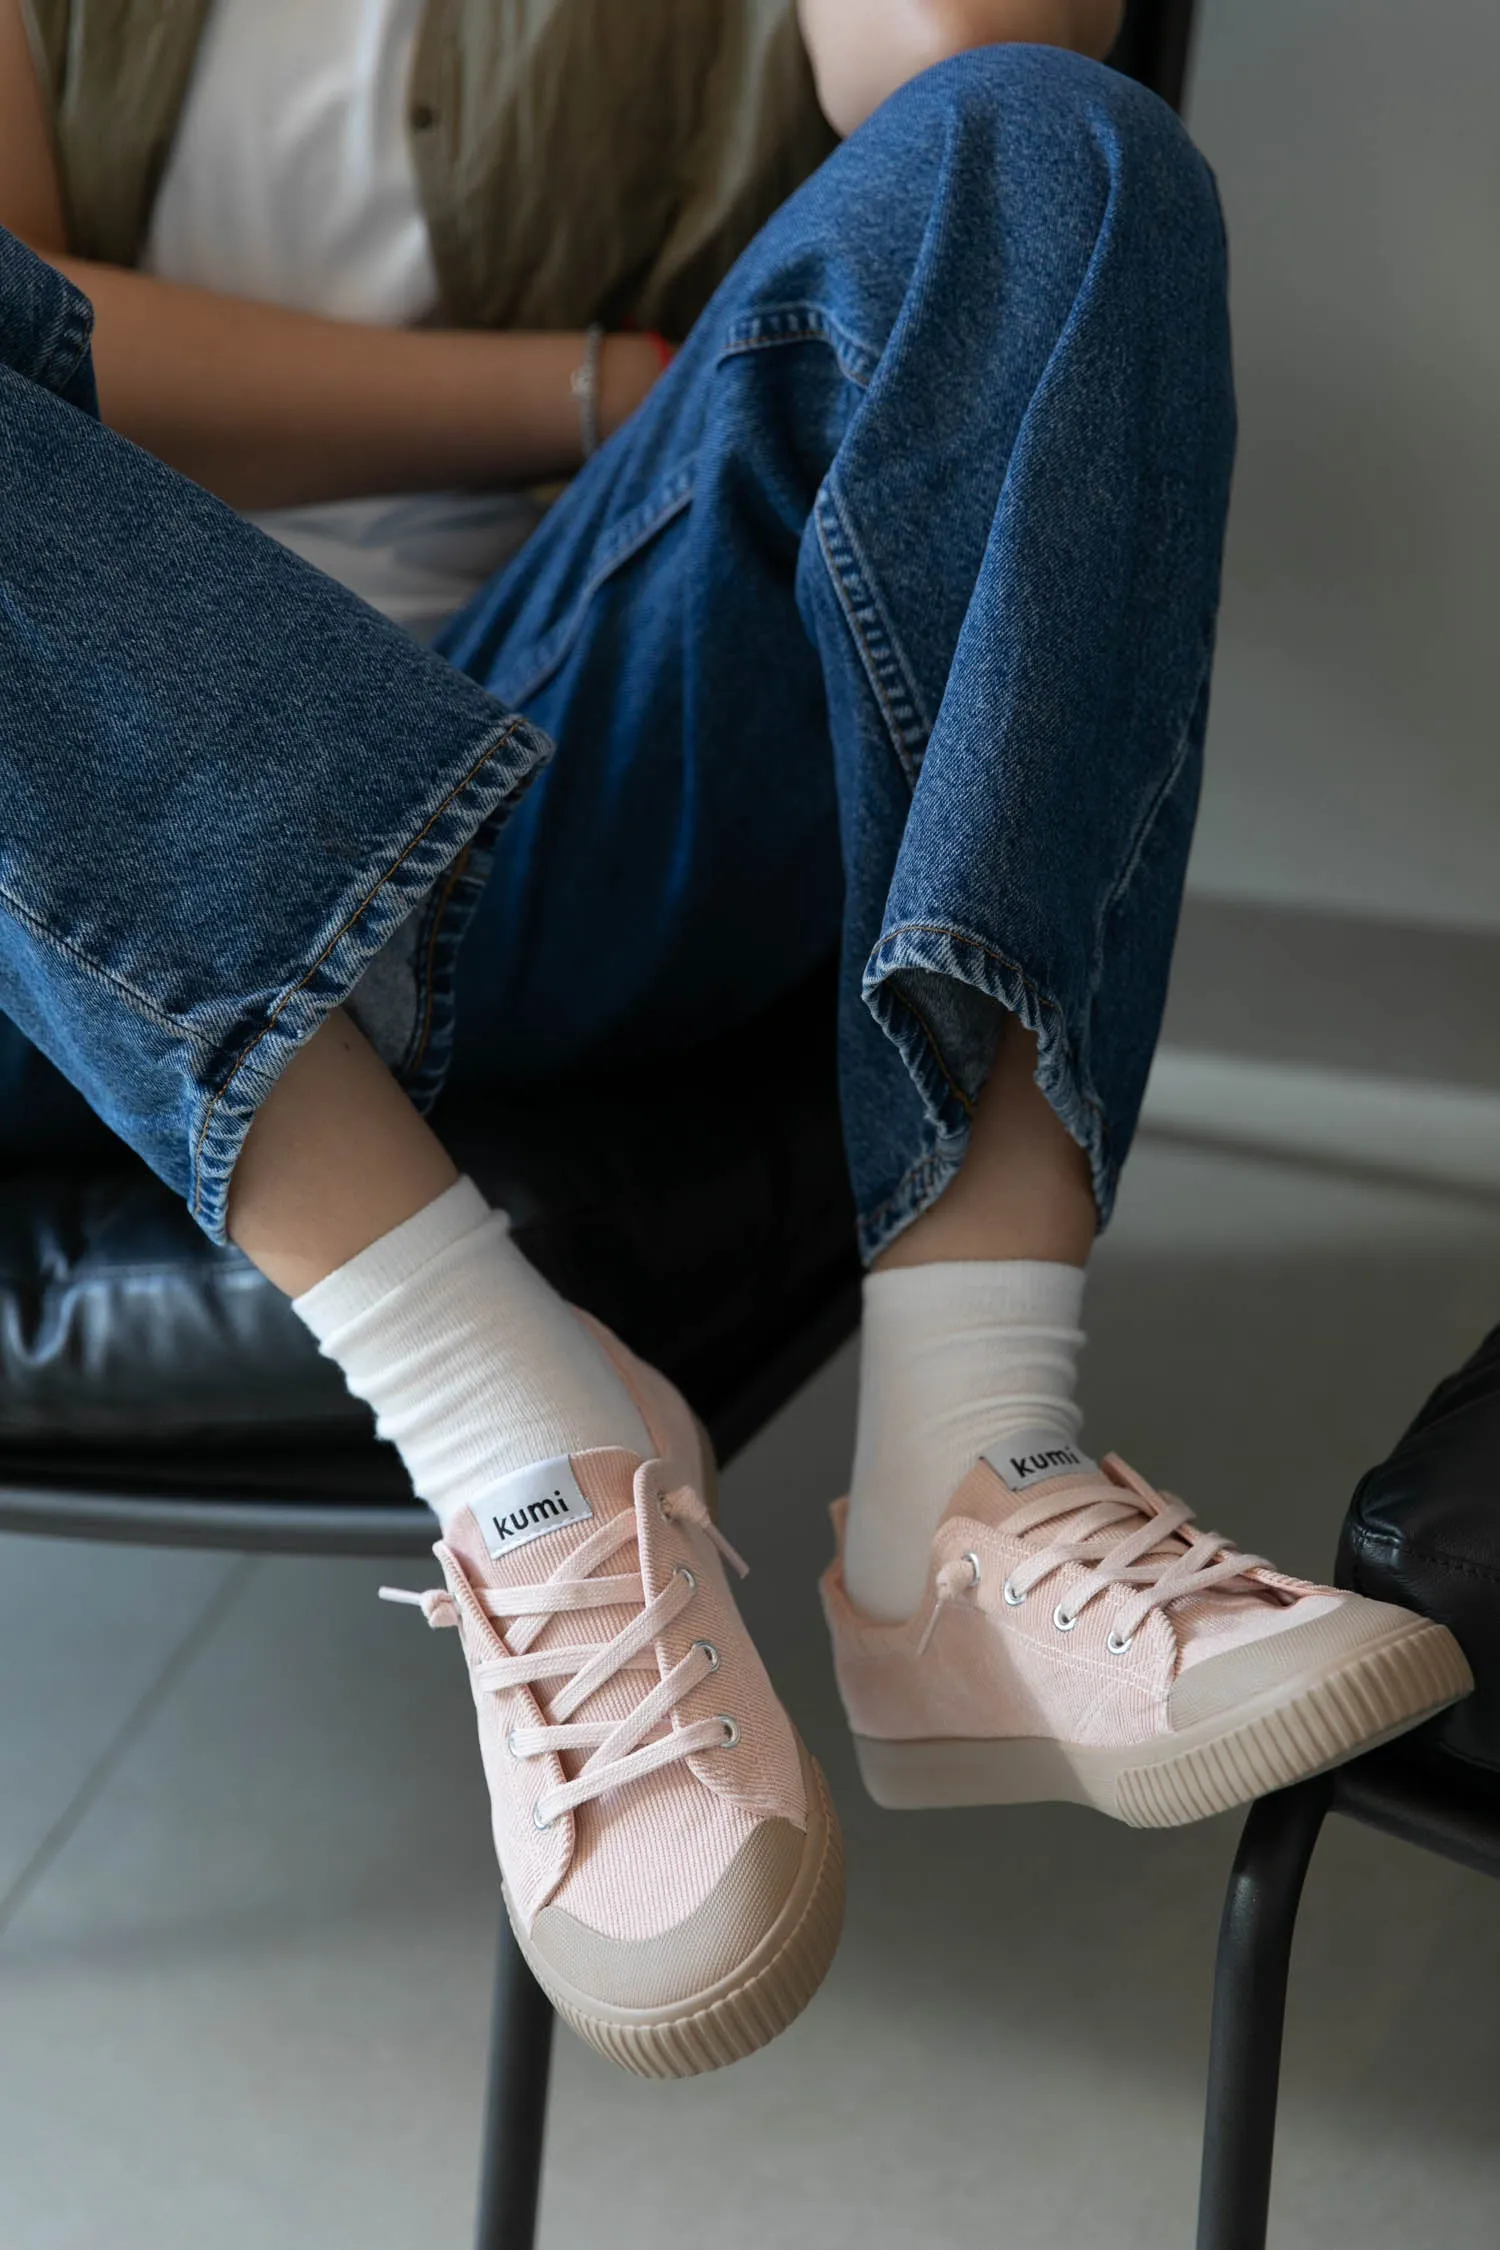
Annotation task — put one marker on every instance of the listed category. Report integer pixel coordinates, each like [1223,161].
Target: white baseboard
[1449,1135]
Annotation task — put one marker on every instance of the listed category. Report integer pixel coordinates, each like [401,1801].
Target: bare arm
[862,50]
[269,408]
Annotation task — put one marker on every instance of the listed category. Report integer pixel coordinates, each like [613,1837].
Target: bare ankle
[336,1157]
[1024,1188]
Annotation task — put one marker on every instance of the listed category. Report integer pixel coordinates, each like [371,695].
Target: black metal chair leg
[515,2119]
[1244,2061]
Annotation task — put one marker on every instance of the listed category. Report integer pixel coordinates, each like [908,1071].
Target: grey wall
[1353,762]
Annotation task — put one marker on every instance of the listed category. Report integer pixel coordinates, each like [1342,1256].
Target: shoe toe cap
[697,1953]
[1297,1654]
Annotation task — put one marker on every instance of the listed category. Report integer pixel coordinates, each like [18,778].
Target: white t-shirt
[291,182]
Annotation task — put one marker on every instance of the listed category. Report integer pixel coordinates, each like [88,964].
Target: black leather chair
[155,1389]
[1422,1529]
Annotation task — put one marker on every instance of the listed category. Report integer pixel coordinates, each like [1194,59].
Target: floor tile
[84,1632]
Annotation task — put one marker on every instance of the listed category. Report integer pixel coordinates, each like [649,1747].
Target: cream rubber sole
[1298,1728]
[746,2009]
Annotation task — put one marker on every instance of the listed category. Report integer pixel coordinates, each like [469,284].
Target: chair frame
[1421,1800]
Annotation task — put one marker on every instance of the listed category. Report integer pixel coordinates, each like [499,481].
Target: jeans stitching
[926,1164]
[882,666]
[1137,848]
[806,324]
[412,1062]
[512,727]
[904,1001]
[627,541]
[134,1000]
[67,345]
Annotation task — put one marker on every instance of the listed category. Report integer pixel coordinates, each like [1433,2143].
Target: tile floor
[246,1905]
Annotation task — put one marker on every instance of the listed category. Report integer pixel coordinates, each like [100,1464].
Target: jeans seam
[626,541]
[904,1001]
[417,1049]
[928,1162]
[498,743]
[67,347]
[136,1001]
[1130,866]
[883,665]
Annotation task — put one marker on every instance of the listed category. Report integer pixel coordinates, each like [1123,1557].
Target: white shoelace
[1134,1536]
[620,1751]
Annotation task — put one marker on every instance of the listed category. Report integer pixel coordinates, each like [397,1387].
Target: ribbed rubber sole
[1365,1702]
[767,1993]
[1286,1735]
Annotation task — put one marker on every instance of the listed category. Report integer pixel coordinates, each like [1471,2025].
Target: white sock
[473,1363]
[952,1357]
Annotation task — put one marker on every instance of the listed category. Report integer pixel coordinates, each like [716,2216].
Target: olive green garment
[578,160]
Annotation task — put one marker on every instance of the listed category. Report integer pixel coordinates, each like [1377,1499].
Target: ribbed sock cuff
[1030,1292]
[392,1260]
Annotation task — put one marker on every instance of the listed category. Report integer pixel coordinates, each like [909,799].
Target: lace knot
[435,1602]
[685,1505]
[960,1575]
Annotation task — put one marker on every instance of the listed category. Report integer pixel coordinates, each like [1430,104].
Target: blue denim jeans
[885,627]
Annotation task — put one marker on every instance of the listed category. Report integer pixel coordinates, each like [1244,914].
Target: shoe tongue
[528,1522]
[1017,1469]
[1038,1456]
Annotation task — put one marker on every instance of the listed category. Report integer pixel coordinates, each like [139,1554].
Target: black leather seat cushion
[1424,1529]
[699,1205]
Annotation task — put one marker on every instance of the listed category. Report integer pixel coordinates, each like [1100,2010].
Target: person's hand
[628,368]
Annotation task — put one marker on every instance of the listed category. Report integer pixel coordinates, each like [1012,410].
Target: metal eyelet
[663,1510]
[1062,1620]
[510,1743]
[731,1730]
[1118,1647]
[975,1572]
[682,1571]
[536,1821]
[1010,1597]
[710,1652]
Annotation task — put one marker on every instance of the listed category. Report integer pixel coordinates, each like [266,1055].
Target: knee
[1071,137]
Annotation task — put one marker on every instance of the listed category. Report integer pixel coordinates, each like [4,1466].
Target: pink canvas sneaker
[672,1863]
[1081,1640]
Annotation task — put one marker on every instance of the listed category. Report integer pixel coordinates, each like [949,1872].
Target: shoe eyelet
[975,1570]
[536,1819]
[731,1730]
[663,1510]
[1116,1646]
[510,1743]
[710,1652]
[1010,1597]
[682,1571]
[1062,1620]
